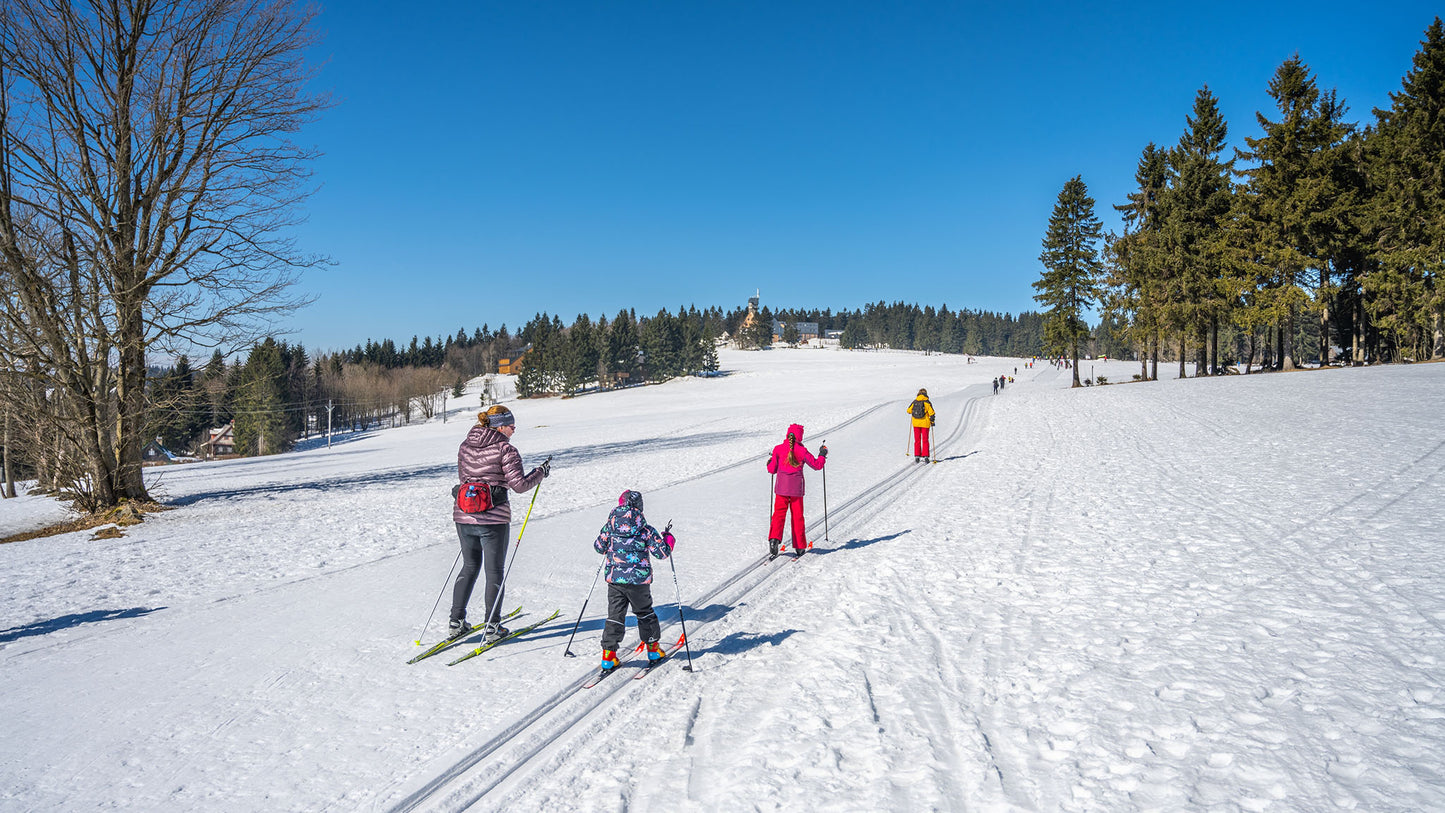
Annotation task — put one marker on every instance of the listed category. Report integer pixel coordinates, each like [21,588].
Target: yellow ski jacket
[927,419]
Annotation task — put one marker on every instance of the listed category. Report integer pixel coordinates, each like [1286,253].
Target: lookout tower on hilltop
[752,309]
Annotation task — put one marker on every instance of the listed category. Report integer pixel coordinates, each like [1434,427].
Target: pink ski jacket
[790,478]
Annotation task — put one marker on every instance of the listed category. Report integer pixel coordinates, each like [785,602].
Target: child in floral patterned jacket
[626,540]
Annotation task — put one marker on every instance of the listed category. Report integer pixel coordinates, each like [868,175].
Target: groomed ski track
[481,777]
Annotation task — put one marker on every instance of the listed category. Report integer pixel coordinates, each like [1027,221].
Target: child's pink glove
[670,540]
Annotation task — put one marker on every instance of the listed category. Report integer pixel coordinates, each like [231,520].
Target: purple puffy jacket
[790,478]
[486,456]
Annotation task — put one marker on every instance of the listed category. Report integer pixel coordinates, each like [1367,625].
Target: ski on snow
[448,643]
[667,653]
[601,674]
[785,553]
[509,636]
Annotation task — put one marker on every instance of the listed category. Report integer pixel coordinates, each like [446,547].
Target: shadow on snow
[72,620]
[855,544]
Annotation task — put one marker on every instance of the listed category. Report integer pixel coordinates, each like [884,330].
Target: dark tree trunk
[1214,342]
[8,469]
[1201,348]
[1357,345]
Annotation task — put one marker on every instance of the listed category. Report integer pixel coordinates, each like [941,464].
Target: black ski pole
[438,602]
[687,646]
[568,653]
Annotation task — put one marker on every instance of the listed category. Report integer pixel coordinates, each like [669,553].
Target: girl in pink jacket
[787,463]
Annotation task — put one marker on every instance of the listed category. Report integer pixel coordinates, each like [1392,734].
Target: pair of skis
[642,671]
[451,642]
[795,556]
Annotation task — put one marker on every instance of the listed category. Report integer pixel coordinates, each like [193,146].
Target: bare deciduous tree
[147,181]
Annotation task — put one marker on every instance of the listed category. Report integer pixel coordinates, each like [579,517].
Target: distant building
[807,331]
[752,314]
[508,364]
[220,442]
[154,452]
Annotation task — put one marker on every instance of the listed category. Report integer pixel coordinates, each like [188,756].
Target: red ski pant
[920,441]
[782,506]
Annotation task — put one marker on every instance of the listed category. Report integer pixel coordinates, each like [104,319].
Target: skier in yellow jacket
[922,413]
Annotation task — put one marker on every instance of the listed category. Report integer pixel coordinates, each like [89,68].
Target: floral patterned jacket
[626,540]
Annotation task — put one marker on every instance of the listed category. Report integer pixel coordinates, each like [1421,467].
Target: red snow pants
[782,506]
[920,441]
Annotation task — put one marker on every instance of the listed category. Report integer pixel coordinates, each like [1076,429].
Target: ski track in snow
[1202,594]
[1249,642]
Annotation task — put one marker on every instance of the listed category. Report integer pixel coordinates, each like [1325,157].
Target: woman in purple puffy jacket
[488,456]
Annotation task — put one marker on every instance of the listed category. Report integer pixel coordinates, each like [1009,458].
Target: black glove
[930,421]
[823,452]
[545,468]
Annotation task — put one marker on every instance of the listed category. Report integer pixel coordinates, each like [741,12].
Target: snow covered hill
[1201,594]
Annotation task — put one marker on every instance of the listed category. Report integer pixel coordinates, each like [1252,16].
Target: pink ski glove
[670,540]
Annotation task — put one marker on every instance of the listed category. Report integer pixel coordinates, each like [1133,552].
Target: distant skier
[626,540]
[995,386]
[787,462]
[921,410]
[489,463]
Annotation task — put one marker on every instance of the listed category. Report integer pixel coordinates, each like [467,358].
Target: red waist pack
[474,498]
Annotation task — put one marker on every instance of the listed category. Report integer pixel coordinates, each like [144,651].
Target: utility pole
[329,407]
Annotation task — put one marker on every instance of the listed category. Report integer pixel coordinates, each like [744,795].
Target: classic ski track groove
[453,790]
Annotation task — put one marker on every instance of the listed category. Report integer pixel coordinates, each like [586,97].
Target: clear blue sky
[488,160]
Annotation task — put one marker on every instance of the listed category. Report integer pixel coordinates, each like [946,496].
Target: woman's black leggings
[480,543]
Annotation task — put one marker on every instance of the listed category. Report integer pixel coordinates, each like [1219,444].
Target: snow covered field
[1217,594]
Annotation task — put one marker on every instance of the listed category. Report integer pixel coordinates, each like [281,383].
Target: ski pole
[687,646]
[496,602]
[568,653]
[772,487]
[438,602]
[825,493]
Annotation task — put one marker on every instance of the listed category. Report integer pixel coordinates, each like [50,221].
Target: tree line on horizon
[279,393]
[1320,233]
[567,360]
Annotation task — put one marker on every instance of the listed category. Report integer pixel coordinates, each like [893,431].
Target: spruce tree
[1195,227]
[1295,203]
[1135,289]
[622,343]
[1405,293]
[260,413]
[1070,281]
[710,362]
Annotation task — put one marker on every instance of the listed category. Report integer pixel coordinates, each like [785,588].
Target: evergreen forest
[1321,241]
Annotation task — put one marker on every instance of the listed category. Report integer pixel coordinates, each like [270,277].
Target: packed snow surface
[1201,594]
